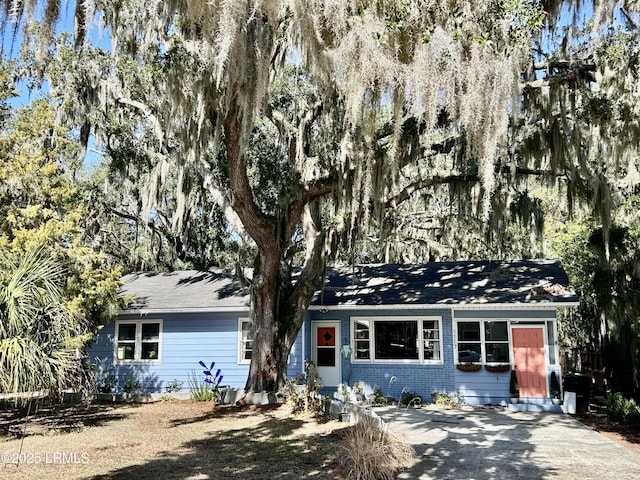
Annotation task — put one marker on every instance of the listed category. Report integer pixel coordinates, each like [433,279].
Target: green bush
[378,398]
[305,397]
[132,384]
[410,398]
[447,401]
[623,410]
[174,385]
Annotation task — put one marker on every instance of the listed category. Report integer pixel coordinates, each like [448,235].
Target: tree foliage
[348,130]
[55,289]
[40,337]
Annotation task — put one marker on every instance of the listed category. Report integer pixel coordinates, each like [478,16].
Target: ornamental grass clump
[207,388]
[373,454]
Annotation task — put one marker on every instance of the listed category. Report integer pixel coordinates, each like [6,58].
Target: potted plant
[514,387]
[554,387]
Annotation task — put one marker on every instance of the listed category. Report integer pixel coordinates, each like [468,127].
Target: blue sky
[11,44]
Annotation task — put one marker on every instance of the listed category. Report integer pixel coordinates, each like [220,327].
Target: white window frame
[137,342]
[482,341]
[371,321]
[242,341]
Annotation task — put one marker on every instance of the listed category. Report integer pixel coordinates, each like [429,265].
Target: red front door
[529,360]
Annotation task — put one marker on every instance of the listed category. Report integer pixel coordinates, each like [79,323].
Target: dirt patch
[627,437]
[170,440]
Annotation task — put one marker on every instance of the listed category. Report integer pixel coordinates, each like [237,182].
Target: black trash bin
[581,384]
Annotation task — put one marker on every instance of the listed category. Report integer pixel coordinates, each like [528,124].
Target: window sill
[137,362]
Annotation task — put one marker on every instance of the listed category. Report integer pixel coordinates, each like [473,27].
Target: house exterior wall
[186,338]
[424,379]
[392,377]
[484,387]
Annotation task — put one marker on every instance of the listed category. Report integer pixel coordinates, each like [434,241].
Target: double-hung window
[245,339]
[396,339]
[138,341]
[482,341]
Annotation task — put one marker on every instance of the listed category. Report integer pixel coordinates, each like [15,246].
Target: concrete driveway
[493,443]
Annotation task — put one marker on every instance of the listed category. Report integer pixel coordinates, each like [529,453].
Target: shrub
[106,383]
[623,410]
[410,398]
[132,384]
[514,386]
[371,454]
[447,401]
[173,386]
[378,398]
[303,393]
[554,385]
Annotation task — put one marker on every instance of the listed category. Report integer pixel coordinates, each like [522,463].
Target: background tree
[393,104]
[63,291]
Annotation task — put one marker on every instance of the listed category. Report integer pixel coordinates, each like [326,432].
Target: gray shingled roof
[449,283]
[186,290]
[531,282]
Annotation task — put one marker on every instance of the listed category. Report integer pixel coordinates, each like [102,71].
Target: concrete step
[535,405]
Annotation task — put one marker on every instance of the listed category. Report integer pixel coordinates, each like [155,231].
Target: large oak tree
[365,106]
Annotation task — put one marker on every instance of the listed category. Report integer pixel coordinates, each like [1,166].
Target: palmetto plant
[39,335]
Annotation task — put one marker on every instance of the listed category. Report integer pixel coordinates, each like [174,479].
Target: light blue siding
[483,387]
[186,339]
[297,356]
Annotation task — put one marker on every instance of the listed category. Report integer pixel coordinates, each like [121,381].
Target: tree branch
[147,113]
[256,223]
[406,193]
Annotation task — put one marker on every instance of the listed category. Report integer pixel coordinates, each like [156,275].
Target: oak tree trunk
[278,305]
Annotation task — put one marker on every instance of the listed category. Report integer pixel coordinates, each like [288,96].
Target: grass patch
[171,440]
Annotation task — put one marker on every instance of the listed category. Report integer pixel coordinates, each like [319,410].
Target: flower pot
[514,399]
[468,367]
[555,401]
[344,417]
[497,368]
